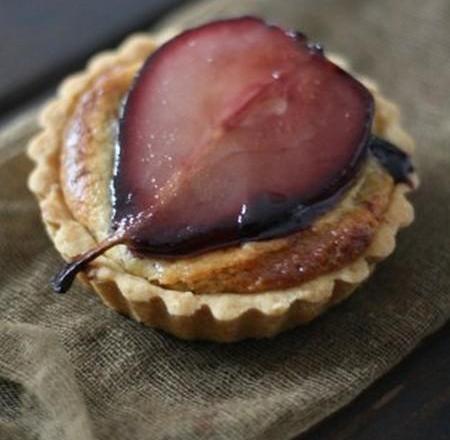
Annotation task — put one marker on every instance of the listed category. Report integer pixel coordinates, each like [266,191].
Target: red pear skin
[234,131]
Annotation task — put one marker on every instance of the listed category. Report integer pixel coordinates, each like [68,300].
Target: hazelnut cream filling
[335,239]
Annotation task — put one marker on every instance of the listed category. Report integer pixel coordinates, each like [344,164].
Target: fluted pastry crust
[254,290]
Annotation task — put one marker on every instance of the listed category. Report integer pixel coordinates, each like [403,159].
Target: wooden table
[42,41]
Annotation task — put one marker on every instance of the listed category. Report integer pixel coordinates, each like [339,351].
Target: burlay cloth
[72,369]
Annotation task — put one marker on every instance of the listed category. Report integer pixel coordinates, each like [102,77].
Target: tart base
[222,317]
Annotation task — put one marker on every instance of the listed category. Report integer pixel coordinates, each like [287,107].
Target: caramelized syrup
[271,216]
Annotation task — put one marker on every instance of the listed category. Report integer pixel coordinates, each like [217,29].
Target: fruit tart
[234,182]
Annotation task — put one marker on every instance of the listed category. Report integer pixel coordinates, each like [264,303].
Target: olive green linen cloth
[72,369]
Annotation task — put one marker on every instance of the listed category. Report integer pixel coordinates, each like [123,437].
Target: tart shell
[222,317]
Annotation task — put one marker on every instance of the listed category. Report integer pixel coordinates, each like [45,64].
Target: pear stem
[62,281]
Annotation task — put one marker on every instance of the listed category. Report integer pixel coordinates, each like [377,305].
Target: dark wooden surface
[41,41]
[411,402]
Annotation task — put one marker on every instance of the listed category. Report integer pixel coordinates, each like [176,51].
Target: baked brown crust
[367,220]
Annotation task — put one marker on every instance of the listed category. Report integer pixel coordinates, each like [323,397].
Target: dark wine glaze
[157,212]
[258,221]
[269,216]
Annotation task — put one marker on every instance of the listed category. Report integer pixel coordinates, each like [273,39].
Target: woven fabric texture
[70,369]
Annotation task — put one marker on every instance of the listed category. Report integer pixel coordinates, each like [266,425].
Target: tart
[232,183]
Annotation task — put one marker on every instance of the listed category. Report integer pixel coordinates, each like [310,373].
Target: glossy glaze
[167,203]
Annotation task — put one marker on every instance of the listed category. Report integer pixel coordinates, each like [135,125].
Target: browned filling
[332,242]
